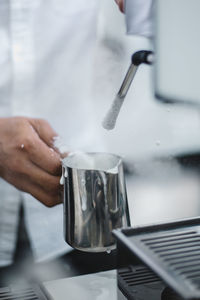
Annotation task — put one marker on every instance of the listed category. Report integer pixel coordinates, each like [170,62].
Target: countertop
[98,286]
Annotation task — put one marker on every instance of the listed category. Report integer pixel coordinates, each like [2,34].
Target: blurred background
[153,138]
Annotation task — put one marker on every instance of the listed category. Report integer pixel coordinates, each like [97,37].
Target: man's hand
[27,159]
[120,3]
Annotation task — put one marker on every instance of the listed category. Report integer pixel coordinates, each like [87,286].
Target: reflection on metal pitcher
[95,200]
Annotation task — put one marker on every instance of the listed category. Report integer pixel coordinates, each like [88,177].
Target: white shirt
[139,17]
[46,58]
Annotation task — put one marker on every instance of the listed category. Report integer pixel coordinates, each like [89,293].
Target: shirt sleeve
[139,17]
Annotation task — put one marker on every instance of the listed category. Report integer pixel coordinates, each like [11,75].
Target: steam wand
[138,58]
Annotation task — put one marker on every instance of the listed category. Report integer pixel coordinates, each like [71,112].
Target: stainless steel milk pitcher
[95,200]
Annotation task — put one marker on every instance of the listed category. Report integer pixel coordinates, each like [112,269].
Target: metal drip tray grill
[22,292]
[137,276]
[171,250]
[139,283]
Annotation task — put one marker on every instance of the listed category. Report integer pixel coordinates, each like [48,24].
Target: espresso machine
[174,54]
[161,261]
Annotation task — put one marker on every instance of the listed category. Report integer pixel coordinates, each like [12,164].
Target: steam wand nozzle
[138,58]
[142,56]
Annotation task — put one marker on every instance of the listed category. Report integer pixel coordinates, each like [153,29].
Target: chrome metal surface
[95,200]
[127,81]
